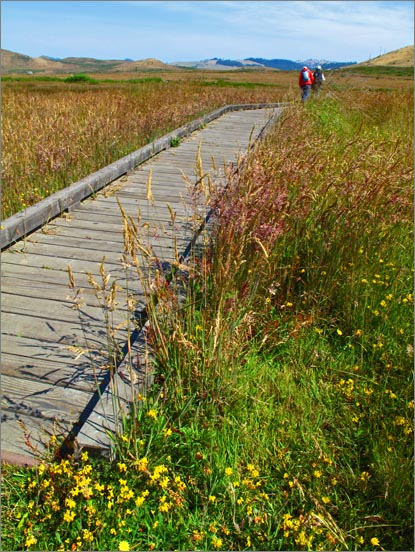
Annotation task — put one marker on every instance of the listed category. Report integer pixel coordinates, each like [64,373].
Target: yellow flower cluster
[300,529]
[347,388]
[406,425]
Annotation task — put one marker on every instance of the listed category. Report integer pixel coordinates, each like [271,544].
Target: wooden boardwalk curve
[53,356]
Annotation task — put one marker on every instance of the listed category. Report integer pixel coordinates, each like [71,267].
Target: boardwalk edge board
[23,223]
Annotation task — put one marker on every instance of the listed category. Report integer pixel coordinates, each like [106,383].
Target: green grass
[39,78]
[282,413]
[381,70]
[80,78]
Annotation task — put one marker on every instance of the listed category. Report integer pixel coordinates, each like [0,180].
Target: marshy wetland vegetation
[58,129]
[282,416]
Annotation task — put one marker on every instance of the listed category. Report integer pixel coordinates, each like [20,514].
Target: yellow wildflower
[164,506]
[123,545]
[139,501]
[70,503]
[158,471]
[30,540]
[32,484]
[68,516]
[253,470]
[87,535]
[217,543]
[142,464]
[228,471]
[374,541]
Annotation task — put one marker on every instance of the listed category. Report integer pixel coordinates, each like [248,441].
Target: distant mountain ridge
[15,63]
[288,65]
[261,63]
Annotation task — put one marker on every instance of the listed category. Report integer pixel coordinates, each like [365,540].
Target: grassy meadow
[57,130]
[281,417]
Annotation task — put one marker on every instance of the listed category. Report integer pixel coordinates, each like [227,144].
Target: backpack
[304,76]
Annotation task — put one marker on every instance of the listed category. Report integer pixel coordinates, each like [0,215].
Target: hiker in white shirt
[318,79]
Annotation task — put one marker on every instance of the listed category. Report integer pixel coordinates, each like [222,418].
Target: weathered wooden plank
[113,229]
[21,289]
[115,240]
[39,289]
[24,438]
[57,337]
[59,263]
[89,260]
[70,372]
[46,311]
[154,241]
[158,205]
[121,275]
[112,223]
[42,400]
[11,272]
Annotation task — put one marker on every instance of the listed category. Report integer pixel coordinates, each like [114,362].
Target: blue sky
[184,30]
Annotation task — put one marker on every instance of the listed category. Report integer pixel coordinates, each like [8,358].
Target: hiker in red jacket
[305,81]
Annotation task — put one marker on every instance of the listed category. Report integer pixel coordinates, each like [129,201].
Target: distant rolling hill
[403,57]
[15,63]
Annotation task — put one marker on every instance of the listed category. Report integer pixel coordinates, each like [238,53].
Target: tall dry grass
[56,133]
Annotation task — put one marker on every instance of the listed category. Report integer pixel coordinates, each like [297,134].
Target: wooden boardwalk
[53,356]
